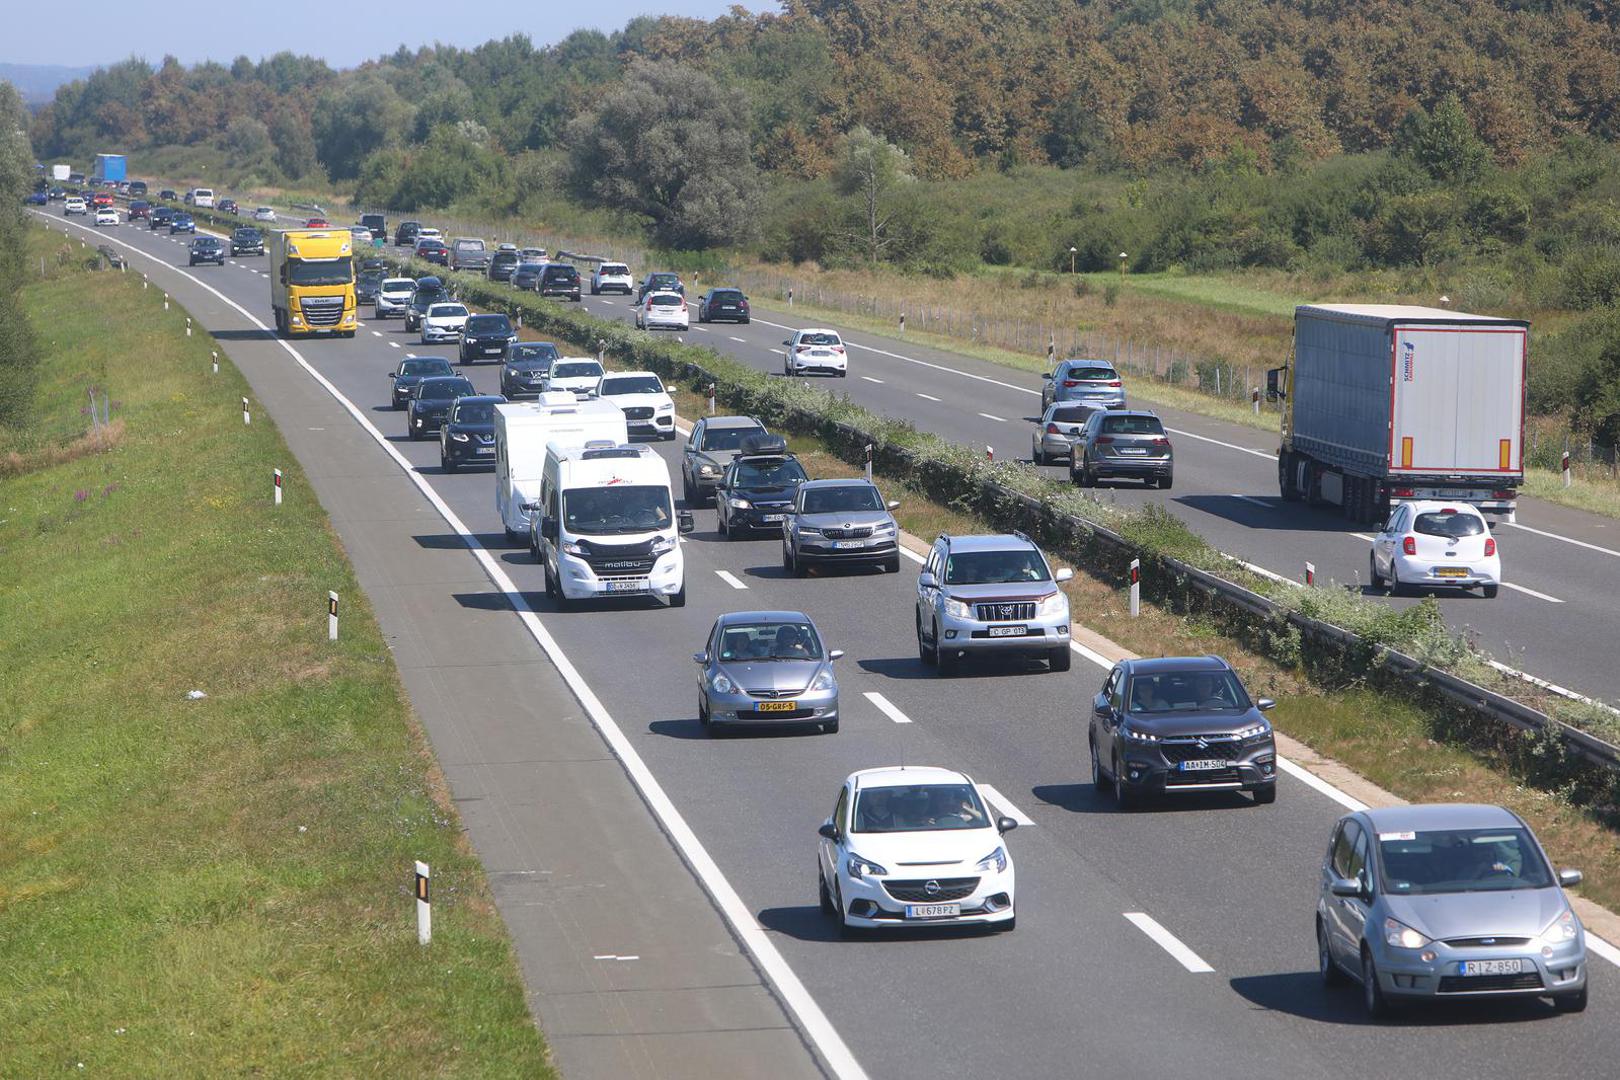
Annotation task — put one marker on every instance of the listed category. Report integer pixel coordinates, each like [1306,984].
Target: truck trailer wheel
[1285,477]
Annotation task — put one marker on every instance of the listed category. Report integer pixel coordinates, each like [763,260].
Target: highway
[1078,989]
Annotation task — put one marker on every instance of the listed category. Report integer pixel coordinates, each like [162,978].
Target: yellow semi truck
[312,282]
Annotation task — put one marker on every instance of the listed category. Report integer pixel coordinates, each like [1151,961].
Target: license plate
[1489,967]
[775,706]
[1132,450]
[932,911]
[626,586]
[1202,765]
[1009,631]
[1451,571]
[492,350]
[847,545]
[771,517]
[486,449]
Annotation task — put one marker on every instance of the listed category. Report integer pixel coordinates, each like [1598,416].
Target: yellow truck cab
[312,282]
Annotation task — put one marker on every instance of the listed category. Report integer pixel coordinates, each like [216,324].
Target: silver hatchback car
[1056,431]
[1438,902]
[766,667]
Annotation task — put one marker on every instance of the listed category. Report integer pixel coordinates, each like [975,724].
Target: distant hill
[37,83]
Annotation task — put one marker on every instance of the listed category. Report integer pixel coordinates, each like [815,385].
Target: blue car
[182,223]
[36,198]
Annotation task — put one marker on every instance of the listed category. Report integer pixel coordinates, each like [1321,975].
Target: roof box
[763,443]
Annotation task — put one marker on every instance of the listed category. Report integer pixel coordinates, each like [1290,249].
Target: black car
[227,206]
[559,279]
[405,234]
[660,281]
[182,223]
[526,275]
[159,216]
[137,189]
[429,291]
[247,241]
[206,249]
[526,367]
[728,304]
[139,208]
[412,370]
[501,265]
[431,399]
[168,194]
[467,436]
[367,284]
[378,226]
[486,337]
[56,194]
[756,491]
[433,251]
[1180,724]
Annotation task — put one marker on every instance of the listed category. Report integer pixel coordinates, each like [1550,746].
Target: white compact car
[393,297]
[915,846]
[612,277]
[443,322]
[74,204]
[811,351]
[264,213]
[106,216]
[425,233]
[662,309]
[648,408]
[1430,545]
[577,374]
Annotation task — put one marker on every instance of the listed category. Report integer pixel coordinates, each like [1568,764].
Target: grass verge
[213,886]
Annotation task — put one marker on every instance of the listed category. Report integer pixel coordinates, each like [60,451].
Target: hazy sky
[101,32]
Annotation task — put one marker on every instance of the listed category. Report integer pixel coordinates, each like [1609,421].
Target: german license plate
[771,517]
[775,706]
[1489,967]
[1451,571]
[1202,765]
[932,911]
[848,545]
[1009,631]
[627,586]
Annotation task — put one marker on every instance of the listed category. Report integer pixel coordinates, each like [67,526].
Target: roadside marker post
[902,324]
[711,398]
[247,417]
[331,616]
[1136,587]
[1254,396]
[1310,573]
[869,451]
[215,354]
[278,487]
[424,904]
[165,301]
[989,452]
[188,326]
[1564,467]
[790,296]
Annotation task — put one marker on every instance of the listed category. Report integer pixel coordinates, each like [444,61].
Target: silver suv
[1092,382]
[1129,443]
[991,594]
[840,521]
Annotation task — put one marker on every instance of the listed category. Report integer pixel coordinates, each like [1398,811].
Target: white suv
[888,821]
[612,277]
[648,408]
[815,350]
[74,204]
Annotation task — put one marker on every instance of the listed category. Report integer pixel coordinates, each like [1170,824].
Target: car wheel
[720,524]
[1326,966]
[830,727]
[787,557]
[1060,658]
[891,565]
[823,895]
[945,659]
[1395,586]
[1035,455]
[446,464]
[1266,795]
[1124,797]
[1099,781]
[1571,1003]
[1373,576]
[924,653]
[678,597]
[1490,591]
[416,436]
[845,930]
[1166,483]
[1372,995]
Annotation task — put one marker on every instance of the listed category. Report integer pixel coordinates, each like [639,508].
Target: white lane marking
[869,378]
[730,579]
[738,340]
[1091,654]
[1310,779]
[699,329]
[1005,805]
[788,986]
[1167,941]
[1531,592]
[1364,536]
[921,363]
[930,397]
[376,333]
[1261,503]
[394,344]
[886,707]
[997,419]
[1603,948]
[1565,539]
[1230,446]
[616,956]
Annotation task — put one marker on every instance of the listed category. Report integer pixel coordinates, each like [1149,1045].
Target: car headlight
[885,529]
[663,545]
[1401,936]
[738,504]
[823,681]
[1056,604]
[721,684]
[573,549]
[809,530]
[1254,731]
[1137,736]
[996,859]
[456,435]
[708,470]
[1562,929]
[859,868]
[666,408]
[956,609]
[512,371]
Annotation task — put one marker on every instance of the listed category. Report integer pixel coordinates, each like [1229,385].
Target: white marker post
[247,417]
[869,450]
[188,326]
[989,452]
[1564,466]
[165,301]
[216,361]
[331,616]
[1136,587]
[1254,396]
[711,398]
[790,296]
[902,324]
[278,487]
[424,905]
[1310,573]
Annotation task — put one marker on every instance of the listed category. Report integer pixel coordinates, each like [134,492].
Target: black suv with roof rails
[559,279]
[430,290]
[467,436]
[756,490]
[246,241]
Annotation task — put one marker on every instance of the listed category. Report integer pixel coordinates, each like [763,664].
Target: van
[522,430]
[203,198]
[378,226]
[468,253]
[607,525]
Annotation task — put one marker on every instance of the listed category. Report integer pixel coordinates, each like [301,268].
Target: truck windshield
[617,509]
[320,272]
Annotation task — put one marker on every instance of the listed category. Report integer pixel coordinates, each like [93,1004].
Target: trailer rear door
[1458,400]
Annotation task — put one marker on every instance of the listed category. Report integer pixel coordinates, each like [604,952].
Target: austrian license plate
[775,706]
[771,517]
[932,911]
[1009,631]
[1451,571]
[1202,765]
[627,586]
[848,545]
[1489,967]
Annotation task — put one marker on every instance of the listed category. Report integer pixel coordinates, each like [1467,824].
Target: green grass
[1207,290]
[218,886]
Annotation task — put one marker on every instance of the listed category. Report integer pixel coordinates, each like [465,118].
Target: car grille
[1005,610]
[1486,942]
[847,534]
[638,412]
[944,891]
[1216,746]
[322,310]
[771,694]
[619,560]
[1177,778]
[1474,984]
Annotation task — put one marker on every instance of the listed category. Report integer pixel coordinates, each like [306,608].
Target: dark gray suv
[1179,724]
[1122,443]
[840,521]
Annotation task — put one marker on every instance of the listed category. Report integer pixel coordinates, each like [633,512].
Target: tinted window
[987,567]
[919,808]
[1192,691]
[425,365]
[477,412]
[489,324]
[726,294]
[333,272]
[831,500]
[770,641]
[1093,374]
[534,350]
[664,299]
[631,384]
[1461,860]
[446,311]
[769,472]
[819,339]
[1343,846]
[1071,414]
[726,438]
[1452,524]
[561,273]
[1132,425]
[450,388]
[578,369]
[617,509]
[618,269]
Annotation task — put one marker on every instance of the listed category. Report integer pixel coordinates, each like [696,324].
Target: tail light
[1052,429]
[1071,383]
[1402,493]
[1409,545]
[1161,441]
[683,303]
[1502,494]
[1490,545]
[839,349]
[1105,438]
[801,348]
[1448,510]
[1115,382]
[743,305]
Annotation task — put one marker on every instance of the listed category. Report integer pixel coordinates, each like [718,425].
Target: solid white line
[1603,948]
[930,397]
[1091,654]
[1310,779]
[1565,539]
[786,982]
[727,577]
[1167,941]
[1005,805]
[1251,499]
[700,329]
[869,378]
[1531,592]
[886,707]
[997,419]
[1363,536]
[1217,442]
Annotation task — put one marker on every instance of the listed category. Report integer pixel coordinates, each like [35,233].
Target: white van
[202,198]
[608,525]
[522,430]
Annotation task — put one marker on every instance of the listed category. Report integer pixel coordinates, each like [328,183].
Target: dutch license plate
[626,586]
[1202,765]
[848,545]
[1489,967]
[1451,571]
[775,706]
[932,911]
[1009,631]
[771,517]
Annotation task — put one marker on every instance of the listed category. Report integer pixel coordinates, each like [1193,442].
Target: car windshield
[489,324]
[578,370]
[819,339]
[446,311]
[615,269]
[425,365]
[919,808]
[1132,425]
[529,268]
[994,567]
[1092,374]
[372,277]
[664,300]
[450,388]
[617,509]
[476,412]
[769,472]
[1461,860]
[247,234]
[1205,690]
[535,350]
[320,272]
[631,384]
[833,500]
[1449,523]
[727,438]
[398,285]
[785,640]
[1071,414]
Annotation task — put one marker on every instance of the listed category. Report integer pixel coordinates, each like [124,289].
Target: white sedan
[664,309]
[648,408]
[888,821]
[815,350]
[106,216]
[579,375]
[1429,545]
[443,322]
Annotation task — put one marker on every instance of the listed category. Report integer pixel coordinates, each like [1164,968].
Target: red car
[100,199]
[317,223]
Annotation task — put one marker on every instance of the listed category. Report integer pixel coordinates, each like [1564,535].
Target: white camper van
[608,525]
[522,430]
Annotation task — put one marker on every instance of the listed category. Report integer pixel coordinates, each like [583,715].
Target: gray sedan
[1426,903]
[766,667]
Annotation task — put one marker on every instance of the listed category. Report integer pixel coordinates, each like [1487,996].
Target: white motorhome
[608,525]
[202,198]
[522,430]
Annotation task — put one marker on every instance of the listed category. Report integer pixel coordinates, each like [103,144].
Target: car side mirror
[1265,704]
[893,504]
[548,528]
[828,831]
[835,654]
[1005,824]
[1345,887]
[927,580]
[1570,877]
[1099,705]
[788,342]
[1047,376]
[529,507]
[685,522]
[1063,575]
[700,658]
[1274,390]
